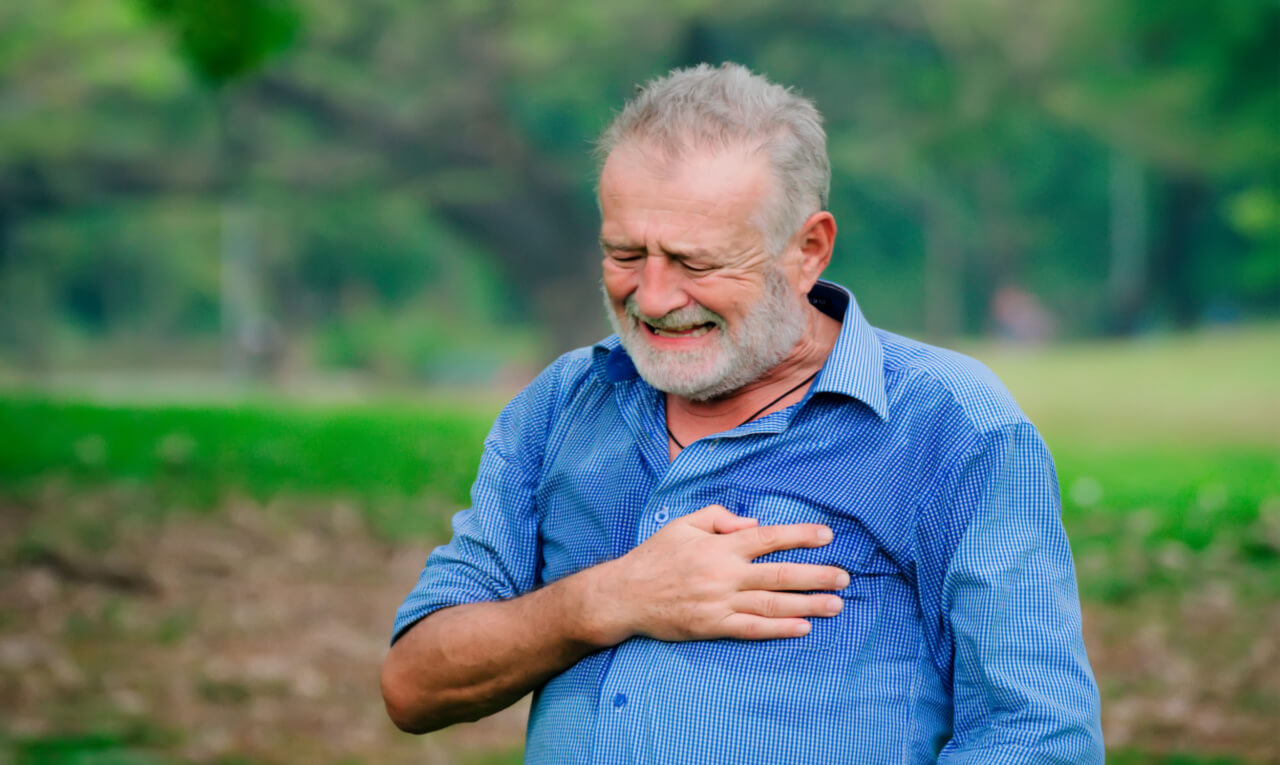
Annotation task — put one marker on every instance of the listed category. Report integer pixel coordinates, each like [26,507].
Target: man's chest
[599,496]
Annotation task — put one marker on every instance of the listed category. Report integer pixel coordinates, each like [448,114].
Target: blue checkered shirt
[959,641]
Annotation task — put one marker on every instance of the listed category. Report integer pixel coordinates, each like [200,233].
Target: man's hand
[695,580]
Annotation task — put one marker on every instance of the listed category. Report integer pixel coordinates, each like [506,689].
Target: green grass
[1168,454]
[1207,389]
[122,747]
[90,749]
[1166,449]
[1166,517]
[384,459]
[1139,515]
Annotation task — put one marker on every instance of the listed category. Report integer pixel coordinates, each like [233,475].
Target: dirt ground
[256,633]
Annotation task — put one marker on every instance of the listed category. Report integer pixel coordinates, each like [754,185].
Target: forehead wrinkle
[719,209]
[691,236]
[665,163]
[645,188]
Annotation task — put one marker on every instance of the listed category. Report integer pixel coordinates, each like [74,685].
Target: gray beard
[762,339]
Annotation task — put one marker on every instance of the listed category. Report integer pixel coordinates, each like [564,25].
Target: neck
[701,418]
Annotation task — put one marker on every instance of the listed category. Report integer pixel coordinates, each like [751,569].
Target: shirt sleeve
[494,553]
[1022,687]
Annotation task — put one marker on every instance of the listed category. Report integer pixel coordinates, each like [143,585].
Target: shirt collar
[855,367]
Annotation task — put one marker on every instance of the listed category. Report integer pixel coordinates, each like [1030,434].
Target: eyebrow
[606,244]
[683,254]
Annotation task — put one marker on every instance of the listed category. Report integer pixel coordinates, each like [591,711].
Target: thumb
[718,519]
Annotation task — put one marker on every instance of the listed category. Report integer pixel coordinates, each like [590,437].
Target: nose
[661,287]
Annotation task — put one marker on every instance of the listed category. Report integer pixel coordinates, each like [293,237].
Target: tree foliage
[224,40]
[413,163]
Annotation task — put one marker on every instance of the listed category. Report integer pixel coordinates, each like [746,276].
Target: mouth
[697,330]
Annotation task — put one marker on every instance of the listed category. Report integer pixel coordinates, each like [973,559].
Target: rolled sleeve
[495,550]
[493,554]
[1022,686]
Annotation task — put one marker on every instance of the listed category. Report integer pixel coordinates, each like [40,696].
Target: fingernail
[834,605]
[842,580]
[802,629]
[825,535]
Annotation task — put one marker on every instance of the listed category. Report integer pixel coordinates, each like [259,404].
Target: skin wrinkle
[709,110]
[764,335]
[697,226]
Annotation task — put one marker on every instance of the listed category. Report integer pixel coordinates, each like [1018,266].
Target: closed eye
[622,253]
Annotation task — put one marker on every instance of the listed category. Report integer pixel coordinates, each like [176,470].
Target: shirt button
[620,701]
[662,516]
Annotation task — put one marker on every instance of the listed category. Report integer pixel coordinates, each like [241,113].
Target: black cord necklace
[754,415]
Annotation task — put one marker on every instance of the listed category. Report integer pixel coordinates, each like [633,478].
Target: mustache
[688,316]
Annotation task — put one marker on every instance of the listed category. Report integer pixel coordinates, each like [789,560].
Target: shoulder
[526,420]
[564,376]
[922,378]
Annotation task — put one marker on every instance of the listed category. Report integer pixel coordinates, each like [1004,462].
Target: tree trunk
[244,328]
[1185,204]
[1127,275]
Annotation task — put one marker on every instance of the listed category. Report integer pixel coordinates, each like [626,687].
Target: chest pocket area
[854,550]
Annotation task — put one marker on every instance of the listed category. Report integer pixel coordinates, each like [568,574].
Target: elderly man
[750,527]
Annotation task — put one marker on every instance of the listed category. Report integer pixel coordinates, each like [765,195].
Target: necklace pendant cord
[755,414]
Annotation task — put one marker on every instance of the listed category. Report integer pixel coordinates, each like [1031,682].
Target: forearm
[693,580]
[468,661]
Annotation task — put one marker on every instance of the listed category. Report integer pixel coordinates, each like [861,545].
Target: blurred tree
[223,42]
[1116,159]
[93,114]
[1187,91]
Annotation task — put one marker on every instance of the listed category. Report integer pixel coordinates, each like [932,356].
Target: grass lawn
[1168,454]
[193,457]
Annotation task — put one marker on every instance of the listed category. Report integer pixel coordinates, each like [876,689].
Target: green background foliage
[182,174]
[267,262]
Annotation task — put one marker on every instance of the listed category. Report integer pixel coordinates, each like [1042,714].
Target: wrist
[594,607]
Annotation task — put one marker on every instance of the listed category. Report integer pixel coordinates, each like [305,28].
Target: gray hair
[717,108]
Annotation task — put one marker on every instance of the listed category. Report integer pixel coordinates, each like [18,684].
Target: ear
[815,241]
